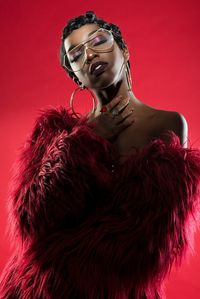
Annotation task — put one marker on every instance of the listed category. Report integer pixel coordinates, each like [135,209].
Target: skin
[144,122]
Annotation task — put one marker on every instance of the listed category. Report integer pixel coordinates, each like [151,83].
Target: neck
[104,96]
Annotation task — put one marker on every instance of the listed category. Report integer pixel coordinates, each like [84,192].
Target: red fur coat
[82,231]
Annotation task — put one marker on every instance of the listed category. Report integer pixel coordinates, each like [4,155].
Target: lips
[98,67]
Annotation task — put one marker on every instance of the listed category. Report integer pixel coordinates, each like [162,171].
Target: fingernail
[103,108]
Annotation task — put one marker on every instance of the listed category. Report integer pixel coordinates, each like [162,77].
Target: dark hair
[88,18]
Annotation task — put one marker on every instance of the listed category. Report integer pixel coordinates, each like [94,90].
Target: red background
[164,41]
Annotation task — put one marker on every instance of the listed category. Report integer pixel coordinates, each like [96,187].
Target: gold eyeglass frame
[95,50]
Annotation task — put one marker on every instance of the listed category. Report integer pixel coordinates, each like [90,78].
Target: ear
[126,54]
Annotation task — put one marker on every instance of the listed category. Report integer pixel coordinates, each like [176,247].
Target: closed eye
[75,55]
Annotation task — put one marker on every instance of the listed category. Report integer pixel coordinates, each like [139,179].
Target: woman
[101,205]
[112,79]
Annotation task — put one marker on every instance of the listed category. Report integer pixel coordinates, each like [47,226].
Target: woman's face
[99,70]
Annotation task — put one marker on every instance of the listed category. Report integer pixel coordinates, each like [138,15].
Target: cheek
[118,60]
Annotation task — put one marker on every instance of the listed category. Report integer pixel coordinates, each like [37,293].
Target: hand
[109,125]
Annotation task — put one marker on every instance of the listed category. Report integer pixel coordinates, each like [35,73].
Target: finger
[126,122]
[113,103]
[126,113]
[122,116]
[121,106]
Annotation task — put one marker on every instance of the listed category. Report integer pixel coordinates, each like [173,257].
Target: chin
[102,82]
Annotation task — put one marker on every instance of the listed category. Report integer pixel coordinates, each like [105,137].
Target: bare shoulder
[174,121]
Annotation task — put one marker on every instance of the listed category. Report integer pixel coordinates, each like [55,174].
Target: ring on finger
[115,112]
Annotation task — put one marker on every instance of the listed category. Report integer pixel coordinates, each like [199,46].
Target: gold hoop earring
[81,88]
[128,77]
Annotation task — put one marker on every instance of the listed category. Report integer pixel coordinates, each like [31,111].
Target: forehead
[79,35]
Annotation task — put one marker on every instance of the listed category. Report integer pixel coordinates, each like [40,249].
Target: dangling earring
[128,77]
[81,88]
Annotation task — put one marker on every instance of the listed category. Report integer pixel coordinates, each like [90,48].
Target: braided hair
[88,18]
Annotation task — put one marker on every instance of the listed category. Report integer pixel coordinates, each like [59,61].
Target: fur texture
[81,231]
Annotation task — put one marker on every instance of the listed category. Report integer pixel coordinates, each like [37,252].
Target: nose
[90,54]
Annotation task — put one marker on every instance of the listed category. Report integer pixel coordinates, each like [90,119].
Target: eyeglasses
[101,41]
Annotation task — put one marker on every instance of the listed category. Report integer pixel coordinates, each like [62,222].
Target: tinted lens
[76,58]
[101,41]
[75,54]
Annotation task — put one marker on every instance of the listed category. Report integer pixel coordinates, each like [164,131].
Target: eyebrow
[73,46]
